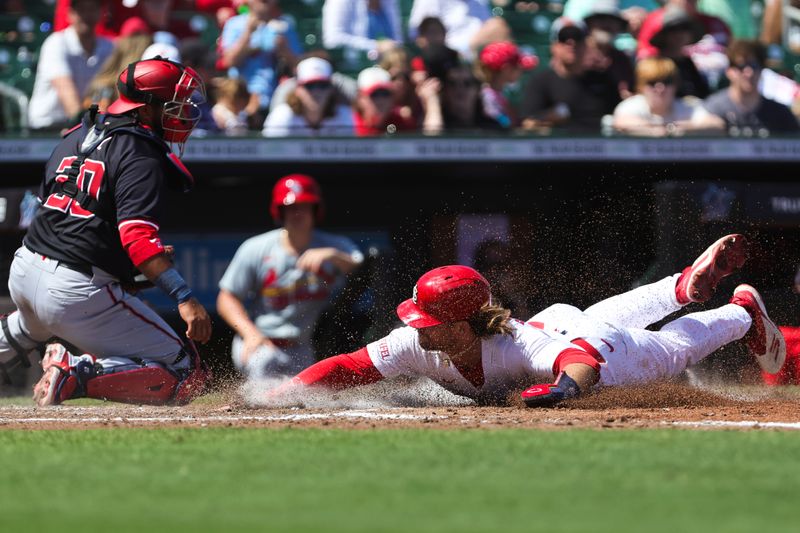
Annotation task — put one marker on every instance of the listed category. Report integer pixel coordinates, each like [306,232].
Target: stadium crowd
[617,67]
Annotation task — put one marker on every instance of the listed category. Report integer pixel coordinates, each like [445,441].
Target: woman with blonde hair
[103,88]
[397,63]
[655,111]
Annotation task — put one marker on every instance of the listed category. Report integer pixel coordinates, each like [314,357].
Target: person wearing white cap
[312,109]
[374,111]
[163,50]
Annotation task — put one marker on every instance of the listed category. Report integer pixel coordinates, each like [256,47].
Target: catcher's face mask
[182,113]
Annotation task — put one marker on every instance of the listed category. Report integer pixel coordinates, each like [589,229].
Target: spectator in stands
[68,61]
[254,46]
[155,14]
[430,32]
[744,110]
[371,26]
[197,54]
[345,86]
[313,108]
[374,111]
[500,65]
[633,12]
[678,30]
[230,110]
[567,94]
[737,15]
[604,24]
[397,64]
[469,23]
[656,111]
[103,87]
[278,283]
[165,50]
[453,103]
[710,25]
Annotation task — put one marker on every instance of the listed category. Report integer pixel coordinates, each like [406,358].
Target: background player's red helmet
[178,89]
[295,189]
[445,294]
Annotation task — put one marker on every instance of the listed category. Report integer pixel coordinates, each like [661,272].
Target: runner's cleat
[764,340]
[698,282]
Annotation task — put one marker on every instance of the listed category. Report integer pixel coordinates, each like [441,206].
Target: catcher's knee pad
[20,358]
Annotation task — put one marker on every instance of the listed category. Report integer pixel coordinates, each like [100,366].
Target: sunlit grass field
[226,479]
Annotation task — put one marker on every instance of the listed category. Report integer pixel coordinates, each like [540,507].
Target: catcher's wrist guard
[550,394]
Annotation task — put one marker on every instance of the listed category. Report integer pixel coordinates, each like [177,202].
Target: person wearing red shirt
[374,111]
[713,26]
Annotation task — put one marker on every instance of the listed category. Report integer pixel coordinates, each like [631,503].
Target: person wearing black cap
[679,29]
[566,94]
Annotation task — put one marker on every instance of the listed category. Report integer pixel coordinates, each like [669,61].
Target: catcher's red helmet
[445,294]
[295,189]
[162,82]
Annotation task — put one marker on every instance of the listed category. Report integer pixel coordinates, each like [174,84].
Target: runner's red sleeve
[571,356]
[140,239]
[341,371]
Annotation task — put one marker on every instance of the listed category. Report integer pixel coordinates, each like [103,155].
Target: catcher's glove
[550,394]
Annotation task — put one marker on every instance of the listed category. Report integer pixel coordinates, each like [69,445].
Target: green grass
[226,479]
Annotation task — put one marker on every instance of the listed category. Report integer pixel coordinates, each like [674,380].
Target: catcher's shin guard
[194,384]
[152,385]
[65,376]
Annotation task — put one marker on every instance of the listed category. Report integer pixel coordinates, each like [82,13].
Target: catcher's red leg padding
[150,385]
[195,383]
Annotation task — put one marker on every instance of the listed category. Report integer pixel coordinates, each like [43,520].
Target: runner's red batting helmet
[295,189]
[445,294]
[178,89]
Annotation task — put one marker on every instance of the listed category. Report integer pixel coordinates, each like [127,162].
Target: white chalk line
[753,424]
[348,414]
[223,418]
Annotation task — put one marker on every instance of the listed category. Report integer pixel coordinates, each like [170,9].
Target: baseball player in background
[101,200]
[456,337]
[279,282]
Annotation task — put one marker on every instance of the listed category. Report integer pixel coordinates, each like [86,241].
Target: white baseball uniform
[611,330]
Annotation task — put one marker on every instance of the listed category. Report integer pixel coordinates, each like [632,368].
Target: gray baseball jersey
[282,300]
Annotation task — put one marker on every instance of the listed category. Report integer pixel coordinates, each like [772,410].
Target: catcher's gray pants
[91,312]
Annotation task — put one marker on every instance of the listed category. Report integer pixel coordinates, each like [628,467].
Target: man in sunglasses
[745,111]
[102,199]
[566,94]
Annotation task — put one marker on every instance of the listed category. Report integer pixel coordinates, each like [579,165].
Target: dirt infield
[652,406]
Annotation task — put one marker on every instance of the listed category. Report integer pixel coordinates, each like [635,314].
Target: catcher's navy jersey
[126,173]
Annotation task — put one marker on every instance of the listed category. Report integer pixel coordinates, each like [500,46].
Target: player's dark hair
[490,320]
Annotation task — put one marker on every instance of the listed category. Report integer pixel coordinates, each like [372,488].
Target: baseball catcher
[97,227]
[456,337]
